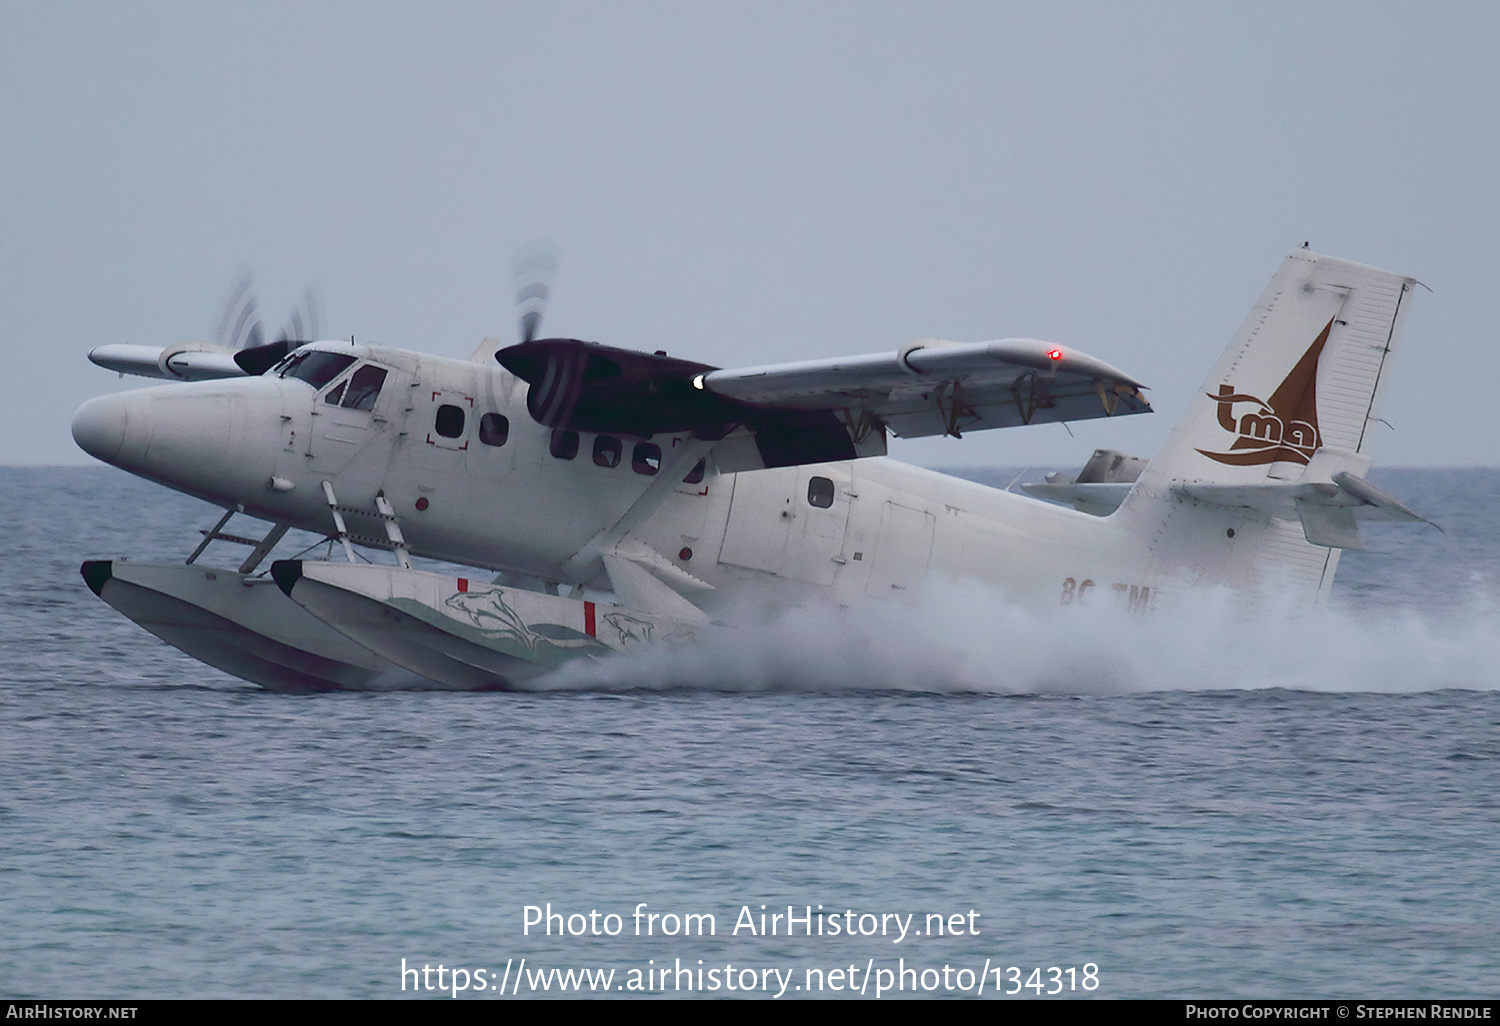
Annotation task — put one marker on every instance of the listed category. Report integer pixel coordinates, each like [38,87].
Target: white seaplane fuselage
[599,540]
[265,446]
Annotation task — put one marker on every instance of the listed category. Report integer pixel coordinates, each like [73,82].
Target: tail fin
[1250,475]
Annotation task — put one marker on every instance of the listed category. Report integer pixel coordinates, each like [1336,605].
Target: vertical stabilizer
[1301,377]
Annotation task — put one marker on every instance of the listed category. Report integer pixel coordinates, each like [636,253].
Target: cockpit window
[364,388]
[315,368]
[358,391]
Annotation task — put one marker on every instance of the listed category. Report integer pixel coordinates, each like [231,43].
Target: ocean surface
[1218,804]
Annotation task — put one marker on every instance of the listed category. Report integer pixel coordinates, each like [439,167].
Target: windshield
[315,368]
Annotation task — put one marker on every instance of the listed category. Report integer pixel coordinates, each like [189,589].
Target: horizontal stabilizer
[1100,486]
[1327,504]
[1389,507]
[1099,498]
[1327,525]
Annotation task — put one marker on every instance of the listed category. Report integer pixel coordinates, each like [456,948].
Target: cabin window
[315,368]
[696,474]
[646,459]
[494,429]
[364,388]
[335,394]
[450,421]
[564,444]
[607,450]
[820,492]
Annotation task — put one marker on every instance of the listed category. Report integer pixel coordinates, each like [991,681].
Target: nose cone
[217,440]
[99,426]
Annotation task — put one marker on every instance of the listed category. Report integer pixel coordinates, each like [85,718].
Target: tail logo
[1282,429]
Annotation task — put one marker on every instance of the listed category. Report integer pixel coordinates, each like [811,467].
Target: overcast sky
[742,183]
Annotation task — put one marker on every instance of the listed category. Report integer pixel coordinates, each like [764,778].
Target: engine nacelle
[584,386]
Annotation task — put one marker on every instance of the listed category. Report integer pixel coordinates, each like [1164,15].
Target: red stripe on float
[463,584]
[588,619]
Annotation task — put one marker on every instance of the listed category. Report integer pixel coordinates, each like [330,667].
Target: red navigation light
[1054,354]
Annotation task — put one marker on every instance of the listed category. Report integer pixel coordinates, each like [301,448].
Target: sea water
[1219,803]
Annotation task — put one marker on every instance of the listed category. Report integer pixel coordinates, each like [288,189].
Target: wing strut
[585,563]
[338,521]
[259,549]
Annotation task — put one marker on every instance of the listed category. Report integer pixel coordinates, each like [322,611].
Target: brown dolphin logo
[1282,429]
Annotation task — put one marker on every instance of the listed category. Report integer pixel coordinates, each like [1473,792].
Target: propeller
[585,386]
[533,270]
[240,329]
[239,323]
[302,326]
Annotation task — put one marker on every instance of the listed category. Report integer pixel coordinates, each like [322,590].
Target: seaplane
[598,500]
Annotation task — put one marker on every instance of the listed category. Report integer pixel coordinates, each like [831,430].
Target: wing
[191,361]
[818,410]
[194,361]
[937,387]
